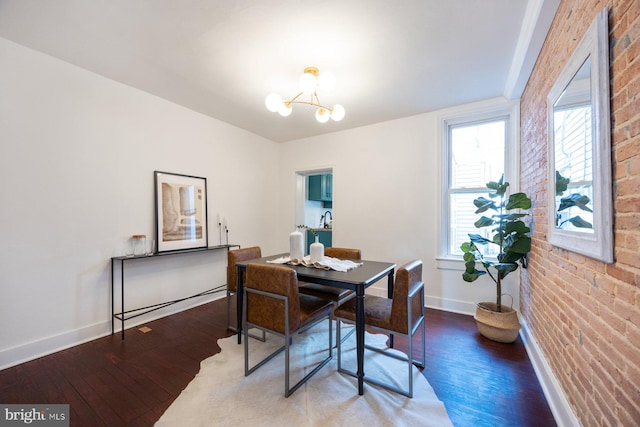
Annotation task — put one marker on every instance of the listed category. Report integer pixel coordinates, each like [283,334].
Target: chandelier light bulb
[326,82]
[337,113]
[307,83]
[322,115]
[273,102]
[285,109]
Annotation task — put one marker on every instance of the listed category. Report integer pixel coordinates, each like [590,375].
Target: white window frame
[494,109]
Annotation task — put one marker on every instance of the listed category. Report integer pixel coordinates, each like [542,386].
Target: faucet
[324,218]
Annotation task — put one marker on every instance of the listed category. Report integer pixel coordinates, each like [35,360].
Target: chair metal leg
[234,329]
[403,358]
[288,340]
[229,293]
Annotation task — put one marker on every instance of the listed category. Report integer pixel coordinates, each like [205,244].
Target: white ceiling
[391,58]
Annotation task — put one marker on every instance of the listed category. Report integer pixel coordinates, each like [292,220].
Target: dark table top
[366,274]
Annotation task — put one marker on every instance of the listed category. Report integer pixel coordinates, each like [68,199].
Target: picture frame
[180,212]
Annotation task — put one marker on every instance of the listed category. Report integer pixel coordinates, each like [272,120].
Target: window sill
[450,263]
[454,263]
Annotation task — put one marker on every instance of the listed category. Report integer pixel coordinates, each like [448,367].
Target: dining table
[356,279]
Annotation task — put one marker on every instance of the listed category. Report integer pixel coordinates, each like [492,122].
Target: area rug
[220,395]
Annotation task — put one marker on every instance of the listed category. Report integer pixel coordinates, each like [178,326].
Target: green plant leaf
[471,277]
[561,184]
[577,221]
[499,187]
[575,199]
[483,204]
[483,222]
[520,245]
[478,239]
[516,227]
[467,247]
[470,266]
[469,256]
[518,201]
[512,257]
[504,268]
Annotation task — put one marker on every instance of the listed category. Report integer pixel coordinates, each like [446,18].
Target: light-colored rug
[220,395]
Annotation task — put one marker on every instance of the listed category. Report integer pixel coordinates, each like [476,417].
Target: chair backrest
[236,255]
[343,253]
[267,311]
[408,278]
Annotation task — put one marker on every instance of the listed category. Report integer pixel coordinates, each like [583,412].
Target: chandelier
[310,82]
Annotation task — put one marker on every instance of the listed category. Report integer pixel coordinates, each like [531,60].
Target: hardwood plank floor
[110,382]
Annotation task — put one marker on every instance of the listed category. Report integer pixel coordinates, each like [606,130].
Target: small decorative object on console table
[139,244]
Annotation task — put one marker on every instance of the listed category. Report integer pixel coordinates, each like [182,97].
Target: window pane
[477,154]
[477,157]
[462,218]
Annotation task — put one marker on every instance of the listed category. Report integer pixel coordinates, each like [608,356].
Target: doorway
[314,204]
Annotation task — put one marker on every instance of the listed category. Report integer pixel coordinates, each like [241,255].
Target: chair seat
[377,312]
[323,291]
[312,308]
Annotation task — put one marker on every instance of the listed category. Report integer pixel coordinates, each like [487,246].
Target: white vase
[296,245]
[316,251]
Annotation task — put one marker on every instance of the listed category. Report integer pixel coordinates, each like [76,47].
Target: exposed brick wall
[584,314]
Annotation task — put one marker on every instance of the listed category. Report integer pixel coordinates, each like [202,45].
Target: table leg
[122,297]
[360,337]
[112,299]
[390,296]
[239,298]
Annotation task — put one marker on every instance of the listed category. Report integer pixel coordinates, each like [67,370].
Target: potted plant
[510,236]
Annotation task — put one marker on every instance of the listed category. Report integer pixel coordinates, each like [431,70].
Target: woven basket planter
[497,326]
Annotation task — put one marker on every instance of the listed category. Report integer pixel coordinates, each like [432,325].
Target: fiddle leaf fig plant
[508,234]
[575,199]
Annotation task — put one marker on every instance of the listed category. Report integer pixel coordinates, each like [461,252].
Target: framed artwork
[181,211]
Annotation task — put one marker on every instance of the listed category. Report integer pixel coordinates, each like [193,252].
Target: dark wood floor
[109,382]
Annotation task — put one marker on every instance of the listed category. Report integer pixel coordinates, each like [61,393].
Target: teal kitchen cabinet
[320,188]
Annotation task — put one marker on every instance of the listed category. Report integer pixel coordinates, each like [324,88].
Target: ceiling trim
[537,20]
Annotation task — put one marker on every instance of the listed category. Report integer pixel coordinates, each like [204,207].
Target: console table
[135,312]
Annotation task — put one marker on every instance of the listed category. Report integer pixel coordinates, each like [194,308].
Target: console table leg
[112,299]
[122,297]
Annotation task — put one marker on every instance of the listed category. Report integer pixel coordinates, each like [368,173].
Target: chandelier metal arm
[313,103]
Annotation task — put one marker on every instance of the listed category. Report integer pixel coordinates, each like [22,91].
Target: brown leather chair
[402,315]
[272,303]
[337,295]
[234,256]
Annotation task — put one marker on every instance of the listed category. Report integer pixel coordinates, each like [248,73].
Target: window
[477,149]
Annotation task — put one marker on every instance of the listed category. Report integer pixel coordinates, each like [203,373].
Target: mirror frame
[599,244]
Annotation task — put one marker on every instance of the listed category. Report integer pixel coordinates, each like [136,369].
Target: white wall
[77,155]
[386,201]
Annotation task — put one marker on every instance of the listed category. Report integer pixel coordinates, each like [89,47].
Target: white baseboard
[54,343]
[556,399]
[455,306]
